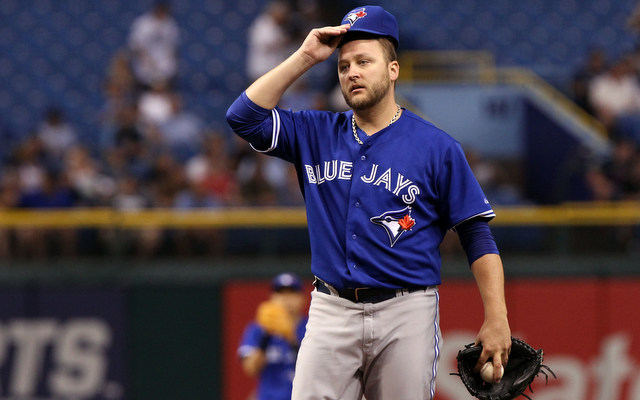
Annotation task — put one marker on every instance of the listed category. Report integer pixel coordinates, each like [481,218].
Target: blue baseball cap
[371,20]
[286,281]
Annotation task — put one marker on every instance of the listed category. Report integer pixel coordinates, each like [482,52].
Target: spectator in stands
[120,97]
[198,240]
[92,187]
[127,131]
[196,195]
[155,106]
[29,164]
[594,66]
[130,197]
[289,194]
[600,186]
[254,185]
[269,39]
[56,134]
[153,41]
[165,179]
[615,97]
[127,153]
[123,161]
[120,76]
[212,167]
[622,168]
[9,191]
[55,192]
[616,178]
[181,133]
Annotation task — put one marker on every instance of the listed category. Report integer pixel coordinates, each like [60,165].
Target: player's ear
[394,70]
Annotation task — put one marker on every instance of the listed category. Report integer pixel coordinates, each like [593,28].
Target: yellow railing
[570,214]
[101,217]
[573,214]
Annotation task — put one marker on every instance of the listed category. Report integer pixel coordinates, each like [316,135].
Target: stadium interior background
[152,237]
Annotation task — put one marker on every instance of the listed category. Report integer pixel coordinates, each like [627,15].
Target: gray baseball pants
[386,350]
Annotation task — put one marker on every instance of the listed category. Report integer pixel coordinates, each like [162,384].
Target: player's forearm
[267,90]
[494,334]
[489,276]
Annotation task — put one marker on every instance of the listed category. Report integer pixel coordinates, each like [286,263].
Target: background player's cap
[371,21]
[286,281]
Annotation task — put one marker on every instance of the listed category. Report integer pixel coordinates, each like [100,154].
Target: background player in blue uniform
[270,356]
[381,187]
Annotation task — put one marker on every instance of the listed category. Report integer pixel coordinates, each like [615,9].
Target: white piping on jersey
[275,133]
[434,367]
[486,214]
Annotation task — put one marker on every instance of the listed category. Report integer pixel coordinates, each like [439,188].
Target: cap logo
[355,15]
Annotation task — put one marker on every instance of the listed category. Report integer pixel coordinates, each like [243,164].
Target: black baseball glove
[525,363]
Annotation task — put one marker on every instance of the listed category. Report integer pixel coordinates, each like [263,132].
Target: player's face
[365,73]
[292,300]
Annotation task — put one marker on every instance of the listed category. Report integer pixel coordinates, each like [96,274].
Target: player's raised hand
[267,90]
[320,43]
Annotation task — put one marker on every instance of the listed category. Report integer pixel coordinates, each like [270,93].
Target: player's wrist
[303,59]
[496,308]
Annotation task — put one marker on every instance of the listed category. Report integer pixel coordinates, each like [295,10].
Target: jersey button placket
[357,204]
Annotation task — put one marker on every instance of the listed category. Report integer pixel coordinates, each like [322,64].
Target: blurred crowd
[155,152]
[609,90]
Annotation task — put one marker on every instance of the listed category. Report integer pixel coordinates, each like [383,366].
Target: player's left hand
[495,337]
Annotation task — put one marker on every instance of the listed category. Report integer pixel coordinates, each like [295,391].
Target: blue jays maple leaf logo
[355,15]
[395,223]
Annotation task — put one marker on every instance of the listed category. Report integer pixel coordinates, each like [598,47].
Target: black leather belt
[368,295]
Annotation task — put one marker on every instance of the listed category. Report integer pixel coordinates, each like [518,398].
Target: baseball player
[269,346]
[381,188]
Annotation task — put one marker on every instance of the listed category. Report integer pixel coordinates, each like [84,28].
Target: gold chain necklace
[355,131]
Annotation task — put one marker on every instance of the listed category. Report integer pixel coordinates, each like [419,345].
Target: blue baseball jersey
[276,379]
[376,212]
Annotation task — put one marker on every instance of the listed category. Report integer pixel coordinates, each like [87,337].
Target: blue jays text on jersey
[336,169]
[376,212]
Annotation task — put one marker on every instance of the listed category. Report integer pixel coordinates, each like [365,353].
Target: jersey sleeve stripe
[275,133]
[487,214]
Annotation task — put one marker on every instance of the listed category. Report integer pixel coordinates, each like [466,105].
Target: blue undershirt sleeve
[476,239]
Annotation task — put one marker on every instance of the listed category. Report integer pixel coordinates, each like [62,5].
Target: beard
[375,93]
